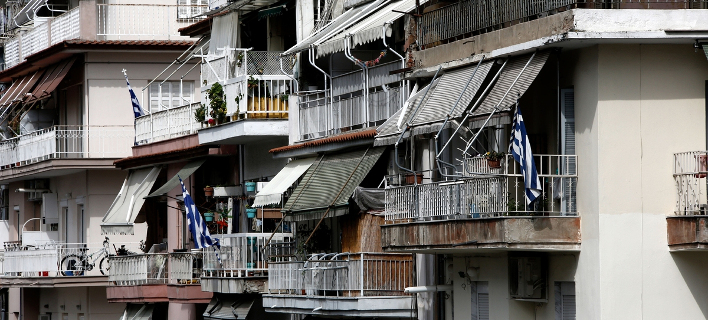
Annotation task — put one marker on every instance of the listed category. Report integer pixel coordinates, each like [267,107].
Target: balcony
[166,124]
[352,284]
[91,21]
[687,227]
[471,17]
[242,263]
[64,145]
[487,209]
[348,106]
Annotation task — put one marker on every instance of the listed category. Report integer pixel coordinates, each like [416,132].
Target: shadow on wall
[692,266]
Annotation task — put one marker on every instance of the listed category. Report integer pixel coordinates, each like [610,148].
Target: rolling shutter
[565,300]
[480,300]
[568,148]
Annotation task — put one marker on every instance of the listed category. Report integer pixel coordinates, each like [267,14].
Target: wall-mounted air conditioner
[528,278]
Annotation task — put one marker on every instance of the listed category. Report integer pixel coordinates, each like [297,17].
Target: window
[4,203]
[567,127]
[565,300]
[480,300]
[170,97]
[191,8]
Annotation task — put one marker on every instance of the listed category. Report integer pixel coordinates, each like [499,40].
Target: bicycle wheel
[73,265]
[104,266]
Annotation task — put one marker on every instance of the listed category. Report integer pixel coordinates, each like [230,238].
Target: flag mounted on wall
[137,109]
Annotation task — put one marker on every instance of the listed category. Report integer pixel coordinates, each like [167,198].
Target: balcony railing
[343,275]
[166,124]
[57,259]
[690,171]
[324,113]
[489,192]
[471,17]
[245,255]
[145,21]
[185,267]
[132,270]
[67,142]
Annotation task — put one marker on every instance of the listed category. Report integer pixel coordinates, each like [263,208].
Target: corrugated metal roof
[331,180]
[512,70]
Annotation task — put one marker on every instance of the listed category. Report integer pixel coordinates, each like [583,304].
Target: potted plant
[251,212]
[239,59]
[414,178]
[494,159]
[250,186]
[217,102]
[200,113]
[208,191]
[208,216]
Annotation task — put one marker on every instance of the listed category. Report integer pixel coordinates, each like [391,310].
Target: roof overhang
[244,132]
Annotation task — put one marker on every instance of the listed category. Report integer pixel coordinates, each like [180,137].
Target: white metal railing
[242,255]
[64,27]
[67,142]
[185,267]
[488,192]
[234,63]
[52,259]
[690,170]
[166,124]
[343,274]
[146,268]
[145,21]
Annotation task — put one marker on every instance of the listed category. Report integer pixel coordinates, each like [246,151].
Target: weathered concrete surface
[235,285]
[503,233]
[188,293]
[53,282]
[380,307]
[137,294]
[687,233]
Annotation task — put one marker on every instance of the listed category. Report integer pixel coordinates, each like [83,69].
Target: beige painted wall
[92,303]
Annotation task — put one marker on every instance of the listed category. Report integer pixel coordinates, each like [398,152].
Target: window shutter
[565,300]
[568,148]
[480,300]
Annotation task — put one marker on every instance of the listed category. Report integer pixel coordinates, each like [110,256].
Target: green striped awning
[331,180]
[271,12]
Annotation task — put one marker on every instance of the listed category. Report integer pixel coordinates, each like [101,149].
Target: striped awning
[17,91]
[330,182]
[439,102]
[505,91]
[183,173]
[273,191]
[52,77]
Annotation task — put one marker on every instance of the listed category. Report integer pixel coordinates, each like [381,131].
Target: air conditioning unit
[528,278]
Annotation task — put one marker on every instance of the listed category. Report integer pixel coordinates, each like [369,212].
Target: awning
[272,12]
[369,29]
[26,14]
[273,191]
[137,312]
[229,306]
[183,173]
[52,77]
[121,215]
[513,69]
[330,181]
[20,88]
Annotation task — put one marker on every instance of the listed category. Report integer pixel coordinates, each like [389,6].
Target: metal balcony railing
[132,270]
[166,124]
[343,275]
[489,192]
[145,21]
[67,142]
[690,171]
[469,17]
[185,267]
[243,255]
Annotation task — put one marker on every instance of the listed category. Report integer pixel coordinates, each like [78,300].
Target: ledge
[53,282]
[235,285]
[53,168]
[137,294]
[187,293]
[396,306]
[687,233]
[499,233]
[244,131]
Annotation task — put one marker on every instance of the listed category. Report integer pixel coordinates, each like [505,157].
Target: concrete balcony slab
[687,233]
[394,306]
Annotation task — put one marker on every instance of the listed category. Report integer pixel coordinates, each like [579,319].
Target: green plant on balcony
[200,113]
[217,102]
[239,59]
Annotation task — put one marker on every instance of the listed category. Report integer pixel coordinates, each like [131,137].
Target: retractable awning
[20,88]
[228,307]
[183,173]
[439,102]
[26,14]
[121,215]
[273,191]
[330,181]
[135,311]
[51,79]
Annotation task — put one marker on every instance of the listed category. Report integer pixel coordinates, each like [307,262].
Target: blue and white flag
[521,151]
[199,230]
[137,109]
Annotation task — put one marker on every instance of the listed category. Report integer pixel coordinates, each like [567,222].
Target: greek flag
[200,233]
[521,151]
[137,109]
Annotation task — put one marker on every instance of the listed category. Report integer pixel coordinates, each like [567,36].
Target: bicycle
[77,264]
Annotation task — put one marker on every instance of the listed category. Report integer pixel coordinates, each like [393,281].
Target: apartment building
[66,117]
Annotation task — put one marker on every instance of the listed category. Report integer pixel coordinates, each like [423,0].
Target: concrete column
[87,19]
[184,311]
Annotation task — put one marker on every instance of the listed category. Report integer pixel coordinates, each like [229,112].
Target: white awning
[369,29]
[273,191]
[137,311]
[121,215]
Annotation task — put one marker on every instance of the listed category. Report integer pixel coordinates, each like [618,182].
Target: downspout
[404,83]
[365,75]
[311,58]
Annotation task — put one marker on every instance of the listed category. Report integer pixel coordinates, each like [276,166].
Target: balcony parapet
[139,269]
[166,124]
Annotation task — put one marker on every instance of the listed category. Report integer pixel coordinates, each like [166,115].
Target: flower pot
[494,164]
[251,212]
[414,179]
[208,216]
[250,186]
[208,191]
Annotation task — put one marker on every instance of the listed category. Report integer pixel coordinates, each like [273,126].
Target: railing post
[361,275]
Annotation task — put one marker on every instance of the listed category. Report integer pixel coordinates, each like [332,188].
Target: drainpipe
[365,74]
[422,289]
[297,85]
[311,58]
[404,83]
